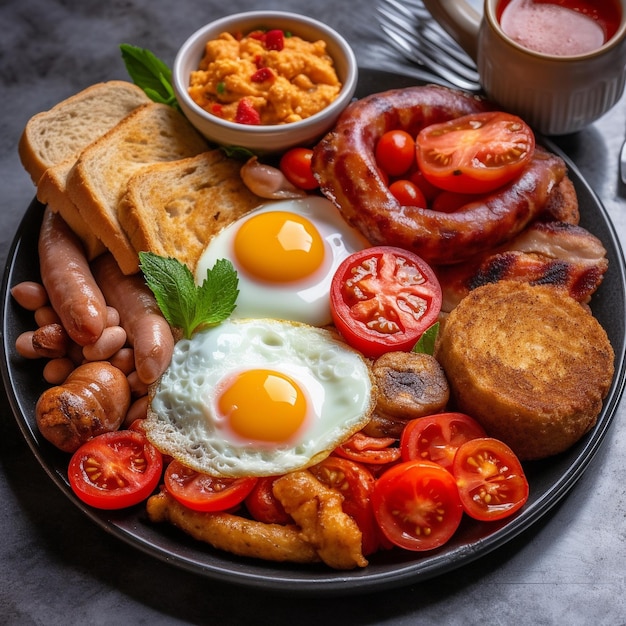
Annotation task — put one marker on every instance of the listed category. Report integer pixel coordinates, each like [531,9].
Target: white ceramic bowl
[266,138]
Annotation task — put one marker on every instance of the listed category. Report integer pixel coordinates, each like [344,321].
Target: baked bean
[124,360]
[138,410]
[110,341]
[30,295]
[56,371]
[137,387]
[24,345]
[46,315]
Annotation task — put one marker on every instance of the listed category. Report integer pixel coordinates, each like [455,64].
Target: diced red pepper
[246,113]
[261,75]
[274,40]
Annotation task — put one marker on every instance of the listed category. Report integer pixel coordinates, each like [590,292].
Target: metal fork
[412,31]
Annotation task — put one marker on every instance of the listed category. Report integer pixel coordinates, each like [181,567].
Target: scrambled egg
[281,86]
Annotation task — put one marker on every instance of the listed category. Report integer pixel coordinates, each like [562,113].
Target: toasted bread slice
[530,363]
[173,209]
[53,139]
[96,183]
[62,132]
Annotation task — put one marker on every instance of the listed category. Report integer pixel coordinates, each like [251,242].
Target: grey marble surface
[58,567]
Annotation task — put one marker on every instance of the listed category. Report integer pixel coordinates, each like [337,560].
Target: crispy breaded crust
[245,537]
[529,363]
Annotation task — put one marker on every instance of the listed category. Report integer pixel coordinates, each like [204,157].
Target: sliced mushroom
[410,385]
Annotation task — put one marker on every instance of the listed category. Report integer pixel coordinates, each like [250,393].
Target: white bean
[110,341]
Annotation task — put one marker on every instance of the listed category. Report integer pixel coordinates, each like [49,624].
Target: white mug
[555,93]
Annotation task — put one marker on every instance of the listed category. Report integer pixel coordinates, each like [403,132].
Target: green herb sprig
[184,304]
[150,74]
[426,343]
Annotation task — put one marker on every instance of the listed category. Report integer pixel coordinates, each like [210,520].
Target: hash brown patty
[529,363]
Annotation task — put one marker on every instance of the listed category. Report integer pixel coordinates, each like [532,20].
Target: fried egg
[259,397]
[285,254]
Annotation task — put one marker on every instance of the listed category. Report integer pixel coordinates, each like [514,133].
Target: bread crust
[96,183]
[529,363]
[173,209]
[53,139]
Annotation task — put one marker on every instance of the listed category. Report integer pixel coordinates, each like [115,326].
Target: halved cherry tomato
[365,449]
[417,505]
[202,492]
[356,485]
[437,437]
[295,164]
[395,152]
[475,153]
[490,478]
[407,193]
[263,505]
[115,470]
[384,298]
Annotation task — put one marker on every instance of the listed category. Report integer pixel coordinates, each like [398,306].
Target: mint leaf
[184,304]
[426,343]
[150,73]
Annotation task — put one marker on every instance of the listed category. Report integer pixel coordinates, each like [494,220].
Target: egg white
[304,300]
[182,420]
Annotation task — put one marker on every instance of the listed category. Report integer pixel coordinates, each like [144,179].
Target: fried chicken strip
[317,509]
[235,534]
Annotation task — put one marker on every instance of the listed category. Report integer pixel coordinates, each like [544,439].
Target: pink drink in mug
[559,91]
[564,28]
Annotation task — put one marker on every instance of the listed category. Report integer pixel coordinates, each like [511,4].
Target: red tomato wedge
[115,470]
[263,505]
[437,437]
[202,492]
[490,478]
[365,449]
[356,485]
[417,505]
[475,153]
[384,298]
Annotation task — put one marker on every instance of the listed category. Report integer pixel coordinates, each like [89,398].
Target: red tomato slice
[263,505]
[395,152]
[417,505]
[356,485]
[383,299]
[372,450]
[202,492]
[437,437]
[115,470]
[475,153]
[295,164]
[491,482]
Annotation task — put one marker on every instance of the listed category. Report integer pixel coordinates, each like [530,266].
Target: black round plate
[549,480]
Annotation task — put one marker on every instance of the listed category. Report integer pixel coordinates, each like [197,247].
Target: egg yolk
[279,246]
[263,405]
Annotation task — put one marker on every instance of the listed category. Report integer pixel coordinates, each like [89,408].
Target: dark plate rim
[167,544]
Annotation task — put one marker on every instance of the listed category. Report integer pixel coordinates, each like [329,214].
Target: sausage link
[70,285]
[93,400]
[148,332]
